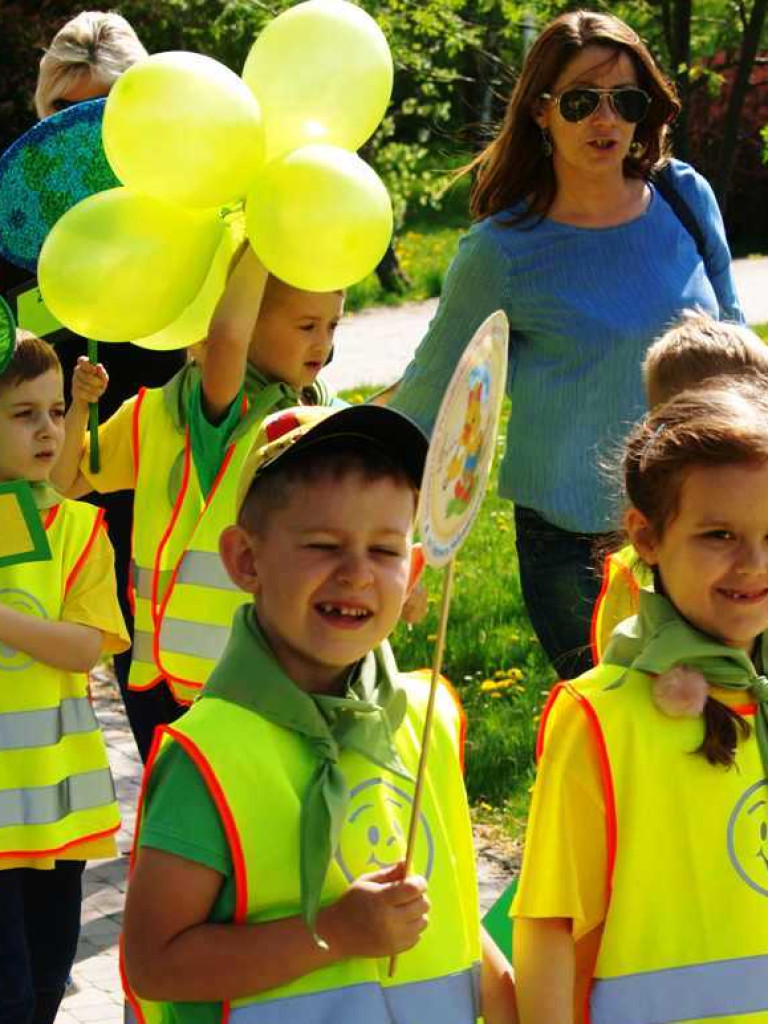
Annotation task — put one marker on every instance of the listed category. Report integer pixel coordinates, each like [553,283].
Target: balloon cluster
[190,140]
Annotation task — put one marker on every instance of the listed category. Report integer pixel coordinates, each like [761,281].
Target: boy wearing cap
[268,883]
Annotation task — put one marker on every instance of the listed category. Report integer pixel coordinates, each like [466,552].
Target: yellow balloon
[184,128]
[118,265]
[192,326]
[319,218]
[322,72]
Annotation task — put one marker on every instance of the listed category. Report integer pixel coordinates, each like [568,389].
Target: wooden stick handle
[437,665]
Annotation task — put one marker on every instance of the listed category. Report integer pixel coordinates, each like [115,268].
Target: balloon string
[93,413]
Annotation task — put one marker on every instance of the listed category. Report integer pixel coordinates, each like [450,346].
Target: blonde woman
[84,60]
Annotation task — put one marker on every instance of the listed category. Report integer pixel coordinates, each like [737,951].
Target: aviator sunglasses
[630,103]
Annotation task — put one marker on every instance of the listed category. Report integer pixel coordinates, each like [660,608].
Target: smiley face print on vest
[12,660]
[375,831]
[748,837]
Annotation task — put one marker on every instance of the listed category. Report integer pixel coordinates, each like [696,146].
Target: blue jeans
[39,929]
[560,581]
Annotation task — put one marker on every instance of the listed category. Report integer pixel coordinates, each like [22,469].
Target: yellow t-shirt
[117,471]
[90,601]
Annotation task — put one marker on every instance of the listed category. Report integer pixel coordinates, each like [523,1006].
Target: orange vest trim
[98,524]
[596,609]
[605,583]
[50,516]
[56,850]
[426,675]
[611,832]
[230,830]
[158,617]
[135,452]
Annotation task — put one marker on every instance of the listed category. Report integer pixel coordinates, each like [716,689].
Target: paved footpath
[96,997]
[376,345]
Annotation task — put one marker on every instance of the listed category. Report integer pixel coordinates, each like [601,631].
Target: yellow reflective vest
[685,936]
[184,601]
[258,783]
[624,576]
[55,786]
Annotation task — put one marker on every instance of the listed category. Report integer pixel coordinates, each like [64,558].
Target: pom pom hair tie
[680,692]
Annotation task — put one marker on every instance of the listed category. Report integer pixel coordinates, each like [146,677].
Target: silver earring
[546,143]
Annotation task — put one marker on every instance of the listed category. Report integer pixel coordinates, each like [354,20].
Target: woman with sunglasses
[574,241]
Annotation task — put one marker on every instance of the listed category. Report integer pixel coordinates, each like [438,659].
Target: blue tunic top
[584,304]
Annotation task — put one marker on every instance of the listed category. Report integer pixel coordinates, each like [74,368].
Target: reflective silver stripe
[205,569]
[43,805]
[141,648]
[448,1000]
[198,639]
[20,730]
[724,988]
[198,568]
[142,581]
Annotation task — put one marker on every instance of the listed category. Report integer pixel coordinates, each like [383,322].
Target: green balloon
[322,72]
[184,128]
[119,266]
[7,335]
[319,218]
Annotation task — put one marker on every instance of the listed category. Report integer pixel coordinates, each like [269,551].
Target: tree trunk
[391,275]
[681,60]
[749,44]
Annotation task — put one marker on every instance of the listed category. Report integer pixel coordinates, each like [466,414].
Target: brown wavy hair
[717,424]
[514,168]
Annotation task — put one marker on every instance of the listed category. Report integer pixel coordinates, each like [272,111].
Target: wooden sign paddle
[456,475]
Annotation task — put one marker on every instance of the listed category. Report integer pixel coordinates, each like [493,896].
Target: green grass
[492,656]
[761,330]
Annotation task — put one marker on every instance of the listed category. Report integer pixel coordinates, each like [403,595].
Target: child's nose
[754,557]
[355,570]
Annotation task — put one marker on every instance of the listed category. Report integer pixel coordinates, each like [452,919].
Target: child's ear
[236,548]
[642,536]
[418,561]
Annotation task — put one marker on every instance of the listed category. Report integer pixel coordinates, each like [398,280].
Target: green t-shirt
[180,817]
[209,441]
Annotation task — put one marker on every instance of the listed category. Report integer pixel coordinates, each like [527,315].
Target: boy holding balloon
[180,449]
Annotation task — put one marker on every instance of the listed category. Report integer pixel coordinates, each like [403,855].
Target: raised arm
[89,383]
[229,334]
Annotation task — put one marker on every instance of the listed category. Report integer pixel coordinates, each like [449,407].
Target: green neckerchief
[45,494]
[177,392]
[264,396]
[658,638]
[364,720]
